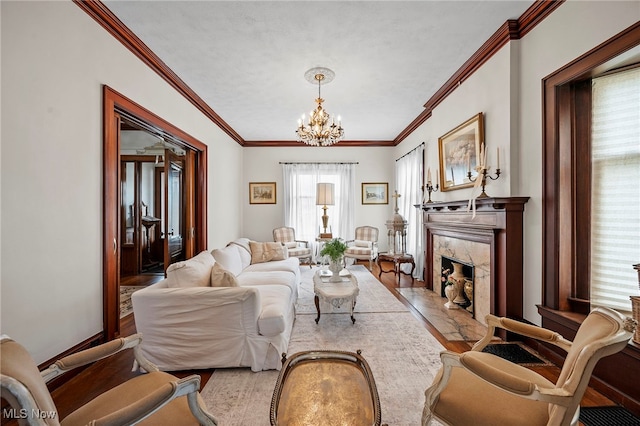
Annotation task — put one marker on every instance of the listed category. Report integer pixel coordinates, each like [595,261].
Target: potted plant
[335,250]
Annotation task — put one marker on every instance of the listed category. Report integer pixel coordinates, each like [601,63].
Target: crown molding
[510,30]
[101,14]
[302,145]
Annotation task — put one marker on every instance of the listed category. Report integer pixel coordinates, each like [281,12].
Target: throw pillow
[194,272]
[291,244]
[220,277]
[266,252]
[362,243]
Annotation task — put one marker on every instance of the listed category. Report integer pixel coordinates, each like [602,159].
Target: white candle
[468,162]
[437,174]
[498,158]
[429,175]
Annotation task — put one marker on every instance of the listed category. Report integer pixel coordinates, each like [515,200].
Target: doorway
[154,199]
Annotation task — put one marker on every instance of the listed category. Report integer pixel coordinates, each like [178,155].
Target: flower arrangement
[334,249]
[445,277]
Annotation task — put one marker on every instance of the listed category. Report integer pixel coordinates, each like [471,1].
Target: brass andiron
[484,172]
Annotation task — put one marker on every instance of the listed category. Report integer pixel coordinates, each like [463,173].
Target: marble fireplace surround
[491,241]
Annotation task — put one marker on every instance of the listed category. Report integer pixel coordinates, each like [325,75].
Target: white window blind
[615,205]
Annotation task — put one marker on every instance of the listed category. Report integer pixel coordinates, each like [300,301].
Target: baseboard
[86,344]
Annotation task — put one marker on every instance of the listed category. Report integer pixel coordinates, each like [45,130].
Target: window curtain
[300,209]
[615,197]
[409,181]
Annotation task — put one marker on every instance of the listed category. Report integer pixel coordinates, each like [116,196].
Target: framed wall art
[459,153]
[375,193]
[262,192]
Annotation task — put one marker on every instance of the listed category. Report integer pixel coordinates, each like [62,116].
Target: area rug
[126,306]
[606,416]
[402,354]
[516,352]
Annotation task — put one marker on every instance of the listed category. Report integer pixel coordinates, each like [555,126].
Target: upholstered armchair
[483,389]
[154,398]
[364,246]
[296,248]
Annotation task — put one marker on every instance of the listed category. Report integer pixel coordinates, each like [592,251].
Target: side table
[397,259]
[335,293]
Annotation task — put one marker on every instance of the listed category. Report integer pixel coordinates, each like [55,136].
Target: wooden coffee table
[343,292]
[397,260]
[325,388]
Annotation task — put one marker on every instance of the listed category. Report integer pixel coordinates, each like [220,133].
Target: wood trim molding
[302,145]
[510,30]
[101,14]
[112,103]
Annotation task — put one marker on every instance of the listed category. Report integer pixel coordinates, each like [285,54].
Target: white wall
[508,90]
[375,164]
[55,59]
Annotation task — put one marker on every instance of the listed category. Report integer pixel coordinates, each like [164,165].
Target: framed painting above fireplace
[459,153]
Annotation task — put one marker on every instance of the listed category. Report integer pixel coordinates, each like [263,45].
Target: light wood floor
[106,374]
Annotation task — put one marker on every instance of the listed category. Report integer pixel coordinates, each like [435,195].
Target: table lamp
[324,198]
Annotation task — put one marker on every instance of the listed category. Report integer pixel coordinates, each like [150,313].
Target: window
[615,194]
[568,173]
[300,209]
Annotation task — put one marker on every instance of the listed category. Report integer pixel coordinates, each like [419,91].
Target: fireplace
[491,242]
[464,296]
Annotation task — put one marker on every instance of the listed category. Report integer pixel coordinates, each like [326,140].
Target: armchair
[296,248]
[482,389]
[154,398]
[364,246]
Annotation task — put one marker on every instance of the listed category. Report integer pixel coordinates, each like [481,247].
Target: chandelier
[319,130]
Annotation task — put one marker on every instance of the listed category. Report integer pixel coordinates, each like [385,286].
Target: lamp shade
[324,194]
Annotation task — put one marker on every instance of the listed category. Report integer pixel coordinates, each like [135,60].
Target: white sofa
[232,307]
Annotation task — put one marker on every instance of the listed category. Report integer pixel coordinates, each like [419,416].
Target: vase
[457,280]
[335,266]
[450,292]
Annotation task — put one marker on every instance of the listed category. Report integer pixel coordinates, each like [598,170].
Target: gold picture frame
[262,192]
[459,152]
[375,193]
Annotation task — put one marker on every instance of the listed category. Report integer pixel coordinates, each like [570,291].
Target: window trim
[566,186]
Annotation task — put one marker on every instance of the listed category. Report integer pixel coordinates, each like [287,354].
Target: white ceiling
[247,59]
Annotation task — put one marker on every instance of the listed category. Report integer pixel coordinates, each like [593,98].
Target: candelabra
[484,172]
[430,188]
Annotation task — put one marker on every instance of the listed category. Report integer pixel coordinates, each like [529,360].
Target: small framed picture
[375,193]
[262,192]
[459,154]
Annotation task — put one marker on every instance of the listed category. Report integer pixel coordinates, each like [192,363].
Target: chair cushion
[266,251]
[291,244]
[486,404]
[194,272]
[220,277]
[300,252]
[357,251]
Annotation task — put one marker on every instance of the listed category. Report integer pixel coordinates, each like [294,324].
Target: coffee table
[398,259]
[325,388]
[335,293]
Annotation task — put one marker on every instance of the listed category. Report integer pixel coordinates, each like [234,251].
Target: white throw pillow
[194,272]
[362,243]
[229,258]
[220,277]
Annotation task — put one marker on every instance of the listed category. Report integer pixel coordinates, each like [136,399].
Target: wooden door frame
[112,103]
